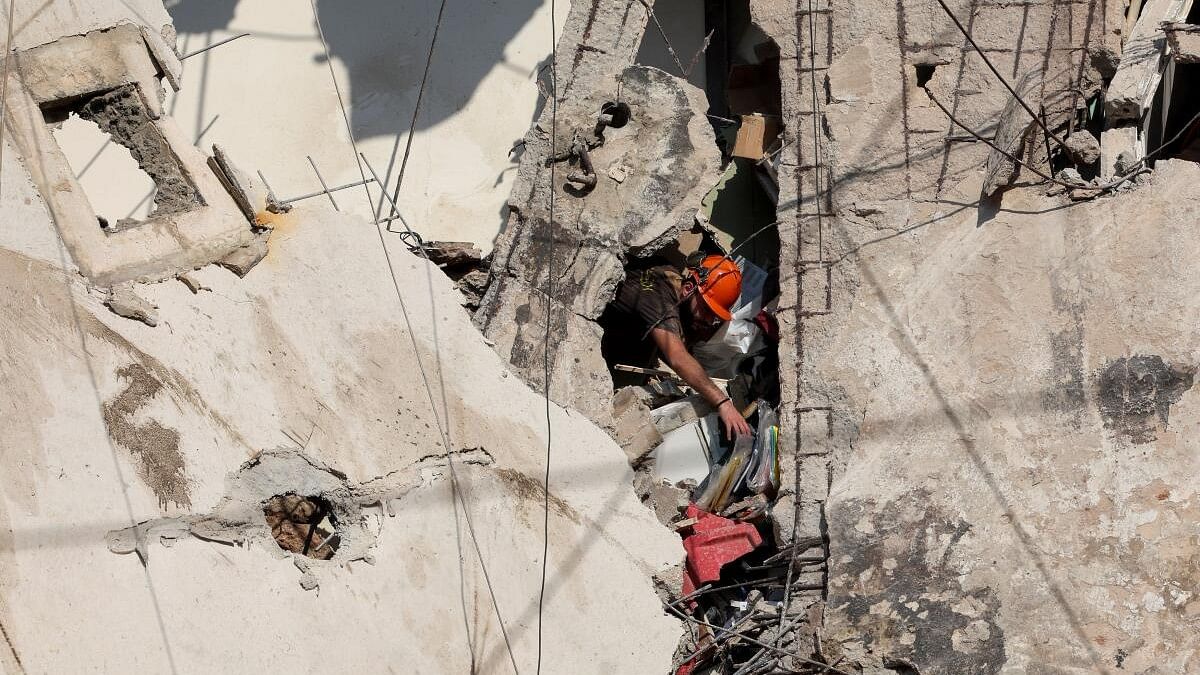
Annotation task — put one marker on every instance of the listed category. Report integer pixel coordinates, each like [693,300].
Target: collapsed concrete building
[244,436]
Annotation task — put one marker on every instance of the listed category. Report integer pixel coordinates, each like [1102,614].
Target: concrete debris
[192,283]
[671,416]
[633,428]
[667,146]
[124,301]
[1084,148]
[452,255]
[1184,41]
[1126,162]
[473,285]
[1132,89]
[250,197]
[1016,132]
[1070,175]
[243,259]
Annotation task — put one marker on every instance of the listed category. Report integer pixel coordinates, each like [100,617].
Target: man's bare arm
[685,365]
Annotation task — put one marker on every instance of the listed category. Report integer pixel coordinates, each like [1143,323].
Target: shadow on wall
[383,45]
[201,16]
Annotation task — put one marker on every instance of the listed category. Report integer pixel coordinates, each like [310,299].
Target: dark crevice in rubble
[737,571]
[304,525]
[464,264]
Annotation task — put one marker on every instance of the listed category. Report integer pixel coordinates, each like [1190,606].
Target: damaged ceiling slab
[650,165]
[195,220]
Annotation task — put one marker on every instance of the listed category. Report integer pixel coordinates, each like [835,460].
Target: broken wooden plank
[688,522]
[1142,59]
[662,372]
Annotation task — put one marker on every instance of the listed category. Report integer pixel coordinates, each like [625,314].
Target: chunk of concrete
[243,259]
[1084,148]
[633,428]
[123,301]
[1184,39]
[672,156]
[1132,88]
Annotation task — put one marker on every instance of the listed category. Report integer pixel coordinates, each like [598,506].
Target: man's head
[711,287]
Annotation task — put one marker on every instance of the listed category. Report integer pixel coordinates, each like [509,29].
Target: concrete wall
[112,423]
[137,459]
[996,393]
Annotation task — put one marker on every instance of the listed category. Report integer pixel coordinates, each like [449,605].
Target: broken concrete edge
[238,520]
[167,60]
[124,301]
[246,193]
[678,159]
[192,224]
[1131,91]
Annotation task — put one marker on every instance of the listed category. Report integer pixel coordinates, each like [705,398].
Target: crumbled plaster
[121,114]
[238,518]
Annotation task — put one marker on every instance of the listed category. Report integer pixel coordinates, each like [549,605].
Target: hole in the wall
[620,113]
[924,72]
[115,185]
[114,130]
[302,524]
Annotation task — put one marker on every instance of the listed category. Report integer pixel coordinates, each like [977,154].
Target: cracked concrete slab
[297,349]
[670,161]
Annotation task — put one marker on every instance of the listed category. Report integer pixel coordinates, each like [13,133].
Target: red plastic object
[770,327]
[713,543]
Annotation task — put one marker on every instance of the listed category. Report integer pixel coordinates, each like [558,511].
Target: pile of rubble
[747,597]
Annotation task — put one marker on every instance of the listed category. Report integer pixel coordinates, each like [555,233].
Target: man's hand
[685,365]
[735,425]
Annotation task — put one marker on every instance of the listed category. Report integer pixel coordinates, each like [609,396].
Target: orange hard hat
[719,282]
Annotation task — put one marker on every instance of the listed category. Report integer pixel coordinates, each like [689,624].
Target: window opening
[115,185]
[120,158]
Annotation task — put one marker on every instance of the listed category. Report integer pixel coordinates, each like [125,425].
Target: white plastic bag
[740,336]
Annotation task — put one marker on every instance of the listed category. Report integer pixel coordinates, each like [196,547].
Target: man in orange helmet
[660,311]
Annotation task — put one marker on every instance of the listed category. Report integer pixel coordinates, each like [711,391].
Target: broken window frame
[61,75]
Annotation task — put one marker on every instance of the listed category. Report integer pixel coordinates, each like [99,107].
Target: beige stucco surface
[312,345]
[991,513]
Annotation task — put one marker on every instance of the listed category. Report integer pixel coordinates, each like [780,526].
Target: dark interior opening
[619,112]
[1180,125]
[737,220]
[924,72]
[303,524]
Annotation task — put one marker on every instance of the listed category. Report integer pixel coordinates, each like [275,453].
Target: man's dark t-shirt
[648,298]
